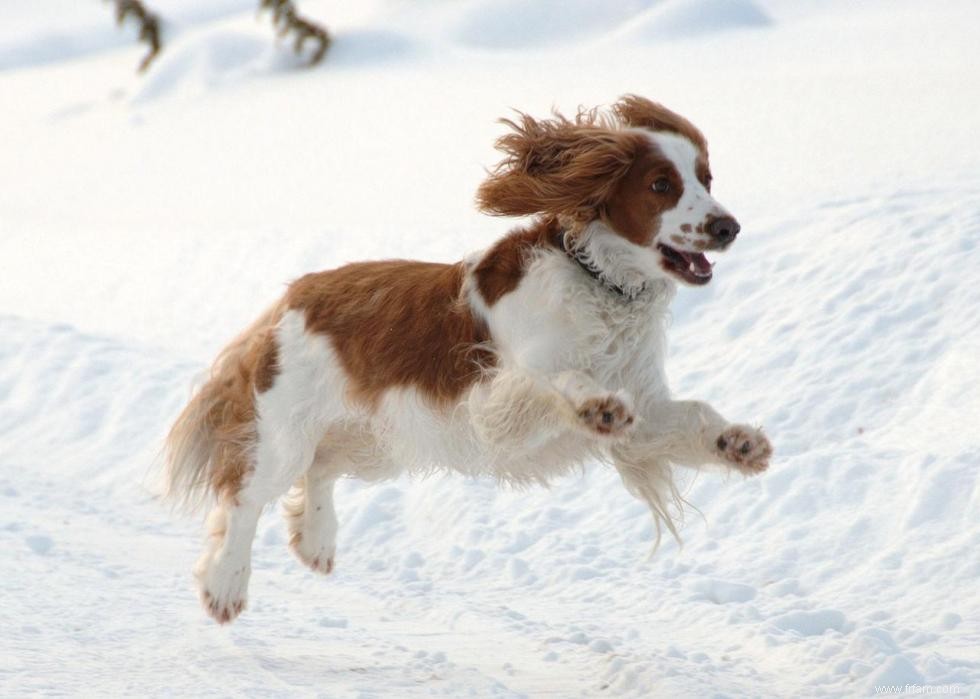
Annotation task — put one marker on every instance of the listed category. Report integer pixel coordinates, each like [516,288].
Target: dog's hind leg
[311,517]
[283,451]
[309,509]
[291,418]
[224,568]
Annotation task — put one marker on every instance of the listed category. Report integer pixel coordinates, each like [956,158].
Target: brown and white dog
[521,362]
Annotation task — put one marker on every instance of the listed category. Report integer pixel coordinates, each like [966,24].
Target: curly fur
[571,167]
[557,166]
[208,450]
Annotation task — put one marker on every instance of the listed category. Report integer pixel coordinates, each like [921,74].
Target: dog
[523,362]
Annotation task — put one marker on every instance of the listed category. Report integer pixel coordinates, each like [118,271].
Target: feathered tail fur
[209,449]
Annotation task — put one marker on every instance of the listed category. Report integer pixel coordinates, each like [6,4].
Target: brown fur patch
[266,363]
[557,167]
[637,111]
[503,266]
[702,171]
[396,323]
[634,208]
[208,448]
[686,227]
[233,417]
[586,168]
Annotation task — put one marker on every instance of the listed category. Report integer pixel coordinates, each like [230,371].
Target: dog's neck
[588,264]
[614,262]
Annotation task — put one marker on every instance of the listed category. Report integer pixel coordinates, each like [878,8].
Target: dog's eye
[662,185]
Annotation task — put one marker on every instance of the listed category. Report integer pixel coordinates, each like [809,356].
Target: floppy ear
[556,167]
[636,111]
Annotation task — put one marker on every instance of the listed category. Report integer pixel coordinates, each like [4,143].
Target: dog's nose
[724,229]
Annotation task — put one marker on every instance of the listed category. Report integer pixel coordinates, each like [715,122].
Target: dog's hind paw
[222,609]
[222,585]
[317,557]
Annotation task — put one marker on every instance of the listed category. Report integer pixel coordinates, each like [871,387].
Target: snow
[677,19]
[144,220]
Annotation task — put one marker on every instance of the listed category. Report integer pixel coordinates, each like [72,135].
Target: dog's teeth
[697,272]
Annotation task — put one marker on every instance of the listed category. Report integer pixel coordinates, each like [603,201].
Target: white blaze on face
[685,226]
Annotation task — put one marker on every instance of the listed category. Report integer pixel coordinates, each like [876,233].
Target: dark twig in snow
[149,25]
[286,19]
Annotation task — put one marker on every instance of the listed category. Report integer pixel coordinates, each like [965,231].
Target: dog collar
[590,268]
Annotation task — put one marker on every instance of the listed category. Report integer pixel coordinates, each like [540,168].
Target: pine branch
[149,25]
[286,19]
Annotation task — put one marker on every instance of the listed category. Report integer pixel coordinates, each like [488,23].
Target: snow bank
[143,222]
[673,19]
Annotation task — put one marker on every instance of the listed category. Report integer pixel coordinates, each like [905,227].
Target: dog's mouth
[691,267]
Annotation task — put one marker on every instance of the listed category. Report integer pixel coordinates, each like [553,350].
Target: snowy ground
[143,221]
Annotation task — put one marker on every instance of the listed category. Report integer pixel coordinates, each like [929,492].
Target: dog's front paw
[607,415]
[744,448]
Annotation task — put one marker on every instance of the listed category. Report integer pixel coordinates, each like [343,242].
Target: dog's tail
[209,449]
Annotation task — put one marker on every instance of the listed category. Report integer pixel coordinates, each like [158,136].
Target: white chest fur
[560,319]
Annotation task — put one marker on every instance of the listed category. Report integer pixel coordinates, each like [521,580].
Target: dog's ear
[557,167]
[639,112]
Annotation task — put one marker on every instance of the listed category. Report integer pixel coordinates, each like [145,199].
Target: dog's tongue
[698,262]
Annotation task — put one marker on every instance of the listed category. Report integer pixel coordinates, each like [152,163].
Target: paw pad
[606,415]
[745,448]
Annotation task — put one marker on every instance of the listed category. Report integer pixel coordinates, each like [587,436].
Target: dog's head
[641,170]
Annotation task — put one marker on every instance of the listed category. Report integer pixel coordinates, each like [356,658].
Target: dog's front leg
[692,433]
[520,406]
[687,433]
